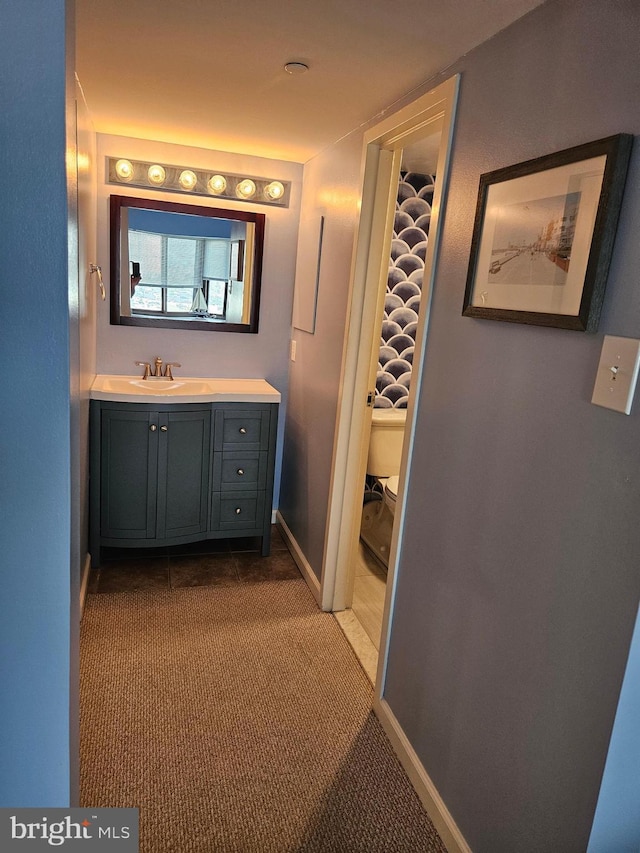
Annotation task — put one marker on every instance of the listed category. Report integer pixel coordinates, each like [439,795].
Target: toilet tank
[385,444]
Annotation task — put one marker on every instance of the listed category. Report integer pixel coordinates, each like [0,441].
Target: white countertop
[182,389]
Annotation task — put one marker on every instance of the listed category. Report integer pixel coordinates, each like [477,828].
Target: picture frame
[543,236]
[308,261]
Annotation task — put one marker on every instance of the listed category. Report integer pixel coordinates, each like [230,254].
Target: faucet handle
[168,366]
[147,368]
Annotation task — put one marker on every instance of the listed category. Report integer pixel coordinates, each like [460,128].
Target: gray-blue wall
[518,581]
[617,822]
[36,489]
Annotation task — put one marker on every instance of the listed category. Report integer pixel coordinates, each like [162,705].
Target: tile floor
[362,624]
[220,562]
[368,594]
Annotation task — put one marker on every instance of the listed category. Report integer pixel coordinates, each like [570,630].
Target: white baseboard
[274,516]
[84,582]
[301,561]
[431,800]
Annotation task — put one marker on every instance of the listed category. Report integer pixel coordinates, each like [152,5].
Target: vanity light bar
[183,179]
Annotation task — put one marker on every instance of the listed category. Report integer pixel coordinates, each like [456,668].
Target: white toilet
[383,463]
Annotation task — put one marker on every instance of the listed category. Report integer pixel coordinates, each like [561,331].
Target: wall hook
[98,269]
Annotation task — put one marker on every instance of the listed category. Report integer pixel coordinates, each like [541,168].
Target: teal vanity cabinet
[168,474]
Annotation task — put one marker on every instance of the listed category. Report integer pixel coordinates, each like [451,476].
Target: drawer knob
[153,427]
[242,431]
[164,428]
[238,510]
[240,472]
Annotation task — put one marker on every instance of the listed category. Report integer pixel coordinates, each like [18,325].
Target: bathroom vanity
[178,462]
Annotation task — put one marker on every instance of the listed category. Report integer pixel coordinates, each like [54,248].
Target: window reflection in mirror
[185,266]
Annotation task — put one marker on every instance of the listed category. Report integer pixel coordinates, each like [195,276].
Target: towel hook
[98,269]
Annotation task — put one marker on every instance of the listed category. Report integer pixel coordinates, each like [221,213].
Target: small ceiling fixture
[296,67]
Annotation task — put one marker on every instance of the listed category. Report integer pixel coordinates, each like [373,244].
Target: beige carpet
[239,721]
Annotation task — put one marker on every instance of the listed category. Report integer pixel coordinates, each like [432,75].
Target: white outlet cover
[617,374]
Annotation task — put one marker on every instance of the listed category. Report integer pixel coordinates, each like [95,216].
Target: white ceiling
[210,73]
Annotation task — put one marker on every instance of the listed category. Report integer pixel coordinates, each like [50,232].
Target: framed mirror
[184,266]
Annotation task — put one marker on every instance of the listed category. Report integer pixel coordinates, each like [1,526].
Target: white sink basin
[134,389]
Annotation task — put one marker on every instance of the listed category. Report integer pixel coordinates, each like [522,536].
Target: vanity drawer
[238,511]
[242,428]
[239,470]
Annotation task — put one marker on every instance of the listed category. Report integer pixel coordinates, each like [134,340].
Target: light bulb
[246,188]
[156,174]
[188,179]
[124,170]
[274,190]
[217,184]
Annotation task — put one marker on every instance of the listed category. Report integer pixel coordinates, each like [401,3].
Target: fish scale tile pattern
[404,289]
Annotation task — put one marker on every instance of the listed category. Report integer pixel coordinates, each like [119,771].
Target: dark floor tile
[241,544]
[254,543]
[129,575]
[206,546]
[279,566]
[203,570]
[277,540]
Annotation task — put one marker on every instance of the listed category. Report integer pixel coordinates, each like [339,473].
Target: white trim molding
[433,803]
[301,561]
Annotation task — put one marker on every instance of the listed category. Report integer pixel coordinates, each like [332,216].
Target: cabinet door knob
[164,428]
[242,431]
[238,510]
[240,472]
[153,427]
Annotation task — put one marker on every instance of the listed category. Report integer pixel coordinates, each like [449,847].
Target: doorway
[419,133]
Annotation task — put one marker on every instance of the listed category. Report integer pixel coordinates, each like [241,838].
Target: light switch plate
[617,374]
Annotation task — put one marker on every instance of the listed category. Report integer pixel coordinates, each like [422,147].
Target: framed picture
[305,297]
[543,236]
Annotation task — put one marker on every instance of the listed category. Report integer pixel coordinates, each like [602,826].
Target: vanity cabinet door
[128,474]
[183,472]
[154,473]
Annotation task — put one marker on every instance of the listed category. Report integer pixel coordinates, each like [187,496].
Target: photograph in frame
[544,234]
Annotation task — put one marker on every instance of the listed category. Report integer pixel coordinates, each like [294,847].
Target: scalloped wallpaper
[404,289]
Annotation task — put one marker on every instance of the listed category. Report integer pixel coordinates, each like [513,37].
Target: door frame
[382,152]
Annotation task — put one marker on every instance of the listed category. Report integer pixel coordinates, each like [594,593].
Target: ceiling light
[217,184]
[188,179]
[296,68]
[246,188]
[157,174]
[274,190]
[124,170]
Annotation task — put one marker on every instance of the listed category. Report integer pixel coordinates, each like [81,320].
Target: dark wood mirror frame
[117,203]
